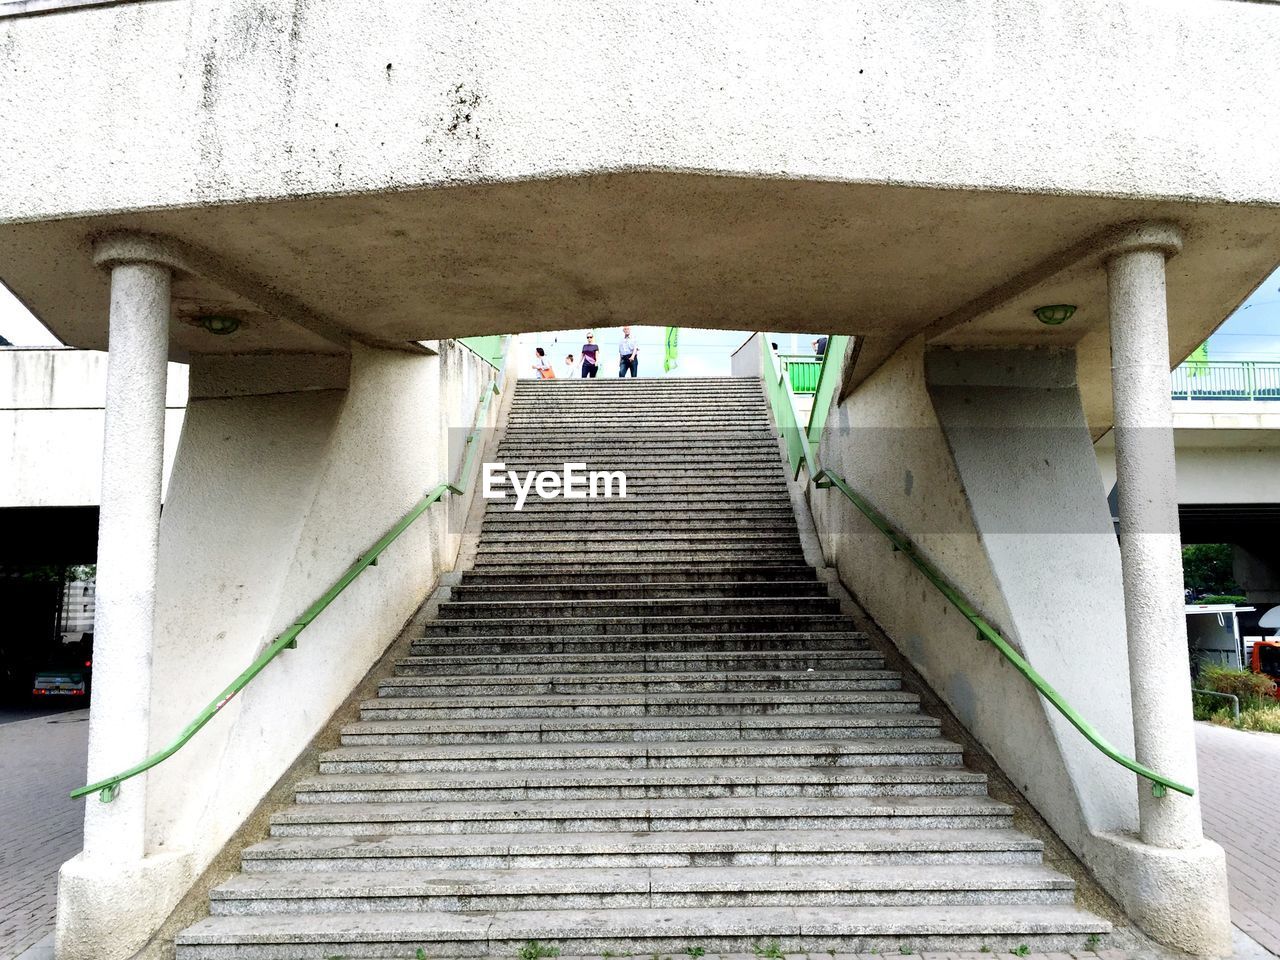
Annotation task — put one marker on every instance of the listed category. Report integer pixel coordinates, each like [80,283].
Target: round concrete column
[128,542]
[1150,546]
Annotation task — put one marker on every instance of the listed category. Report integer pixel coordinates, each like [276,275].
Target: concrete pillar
[128,541]
[112,896]
[1150,547]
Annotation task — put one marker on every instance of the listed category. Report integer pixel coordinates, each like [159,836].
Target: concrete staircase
[639,726]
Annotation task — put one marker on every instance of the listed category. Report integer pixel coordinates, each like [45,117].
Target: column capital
[1152,235]
[111,249]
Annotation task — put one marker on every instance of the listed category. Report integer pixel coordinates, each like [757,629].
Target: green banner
[673,348]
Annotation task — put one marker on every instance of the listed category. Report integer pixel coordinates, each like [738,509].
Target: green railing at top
[108,789]
[804,457]
[803,370]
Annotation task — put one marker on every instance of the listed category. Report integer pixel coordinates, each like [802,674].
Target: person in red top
[589,350]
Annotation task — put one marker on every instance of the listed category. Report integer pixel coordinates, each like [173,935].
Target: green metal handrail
[825,479]
[108,789]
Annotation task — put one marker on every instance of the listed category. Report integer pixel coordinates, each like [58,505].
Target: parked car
[49,684]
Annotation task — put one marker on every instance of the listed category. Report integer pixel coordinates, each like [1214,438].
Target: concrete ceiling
[883,262]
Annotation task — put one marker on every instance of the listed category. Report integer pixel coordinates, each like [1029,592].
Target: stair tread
[560,809]
[708,841]
[748,721]
[632,699]
[434,926]
[1022,876]
[718,676]
[647,776]
[623,748]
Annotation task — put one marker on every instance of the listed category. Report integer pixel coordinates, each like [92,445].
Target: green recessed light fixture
[1055,313]
[219,325]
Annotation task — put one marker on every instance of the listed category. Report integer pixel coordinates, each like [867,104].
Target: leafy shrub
[1264,720]
[1222,598]
[1253,689]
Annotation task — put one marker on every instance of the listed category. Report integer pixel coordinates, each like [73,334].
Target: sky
[1251,333]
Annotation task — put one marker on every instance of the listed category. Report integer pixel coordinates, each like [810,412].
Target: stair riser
[878,941]
[655,643]
[569,688]
[389,711]
[580,860]
[606,824]
[524,531]
[616,590]
[619,901]
[435,666]
[580,559]
[652,792]
[517,528]
[622,626]
[766,501]
[641,575]
[637,736]
[666,607]
[460,764]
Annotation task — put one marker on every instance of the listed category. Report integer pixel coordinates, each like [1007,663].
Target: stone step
[752,848]
[631,887]
[520,529]
[638,606]
[640,643]
[643,469]
[535,663]
[899,726]
[673,453]
[581,684]
[540,592]
[565,627]
[504,516]
[401,703]
[639,931]
[551,541]
[641,550]
[701,783]
[669,502]
[694,571]
[577,444]
[726,813]
[629,755]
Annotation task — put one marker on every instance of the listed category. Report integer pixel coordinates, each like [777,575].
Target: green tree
[1206,568]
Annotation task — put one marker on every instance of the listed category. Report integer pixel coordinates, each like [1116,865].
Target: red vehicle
[1266,659]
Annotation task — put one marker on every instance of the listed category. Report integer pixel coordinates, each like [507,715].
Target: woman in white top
[542,366]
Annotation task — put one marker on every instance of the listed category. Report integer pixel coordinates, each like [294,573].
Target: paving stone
[41,760]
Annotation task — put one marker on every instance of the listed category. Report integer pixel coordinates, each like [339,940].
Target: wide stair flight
[641,726]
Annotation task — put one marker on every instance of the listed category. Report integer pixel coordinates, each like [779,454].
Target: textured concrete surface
[1240,794]
[51,419]
[41,760]
[412,134]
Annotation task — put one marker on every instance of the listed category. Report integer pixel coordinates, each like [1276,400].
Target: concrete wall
[984,459]
[242,99]
[51,425]
[1227,452]
[939,464]
[288,468]
[747,360]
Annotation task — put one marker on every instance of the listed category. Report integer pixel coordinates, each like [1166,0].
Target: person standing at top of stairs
[628,355]
[590,351]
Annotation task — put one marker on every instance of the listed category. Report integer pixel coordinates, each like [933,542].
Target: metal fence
[1226,380]
[803,370]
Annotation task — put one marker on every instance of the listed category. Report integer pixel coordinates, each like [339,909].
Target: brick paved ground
[1240,799]
[41,759]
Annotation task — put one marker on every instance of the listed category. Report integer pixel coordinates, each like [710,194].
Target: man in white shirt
[628,355]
